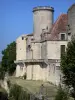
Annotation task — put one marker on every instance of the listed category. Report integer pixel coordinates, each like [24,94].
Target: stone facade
[38,54]
[20,48]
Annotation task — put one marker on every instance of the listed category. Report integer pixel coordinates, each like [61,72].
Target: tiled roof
[58,27]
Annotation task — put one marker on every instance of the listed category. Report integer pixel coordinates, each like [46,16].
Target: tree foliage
[9,55]
[68,65]
[3,96]
[2,73]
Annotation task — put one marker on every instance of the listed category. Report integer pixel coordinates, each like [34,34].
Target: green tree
[68,66]
[2,73]
[9,55]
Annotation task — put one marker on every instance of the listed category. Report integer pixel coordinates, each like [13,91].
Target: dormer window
[62,36]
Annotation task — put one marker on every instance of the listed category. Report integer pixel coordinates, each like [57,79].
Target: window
[32,39]
[62,50]
[29,47]
[62,36]
[68,27]
[69,33]
[22,38]
[47,27]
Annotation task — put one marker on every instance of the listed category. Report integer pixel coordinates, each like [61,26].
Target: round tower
[43,18]
[71,21]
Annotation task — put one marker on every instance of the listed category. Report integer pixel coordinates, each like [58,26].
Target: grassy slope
[34,86]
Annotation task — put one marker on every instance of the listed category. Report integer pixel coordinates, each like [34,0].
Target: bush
[17,93]
[24,96]
[3,96]
[61,94]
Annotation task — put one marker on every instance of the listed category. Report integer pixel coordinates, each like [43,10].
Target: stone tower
[42,20]
[71,21]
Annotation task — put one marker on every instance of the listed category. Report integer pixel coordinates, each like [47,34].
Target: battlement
[43,8]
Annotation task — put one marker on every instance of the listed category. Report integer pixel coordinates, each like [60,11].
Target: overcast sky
[16,17]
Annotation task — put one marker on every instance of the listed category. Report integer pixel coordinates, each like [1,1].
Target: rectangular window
[62,36]
[22,38]
[62,50]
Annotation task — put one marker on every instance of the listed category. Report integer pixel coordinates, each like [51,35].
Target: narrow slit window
[22,38]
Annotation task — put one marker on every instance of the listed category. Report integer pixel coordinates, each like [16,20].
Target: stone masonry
[38,54]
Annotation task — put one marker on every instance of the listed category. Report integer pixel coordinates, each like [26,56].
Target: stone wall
[54,73]
[20,69]
[29,72]
[71,19]
[37,71]
[36,50]
[54,49]
[44,50]
[21,48]
[28,47]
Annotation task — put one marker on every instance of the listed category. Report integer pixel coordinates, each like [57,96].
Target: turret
[42,20]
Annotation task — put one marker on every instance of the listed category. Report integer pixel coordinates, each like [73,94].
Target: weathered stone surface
[38,57]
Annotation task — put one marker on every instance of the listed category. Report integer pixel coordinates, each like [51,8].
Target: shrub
[24,96]
[17,93]
[3,96]
[61,94]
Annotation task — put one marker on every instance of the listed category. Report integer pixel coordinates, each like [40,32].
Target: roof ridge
[58,26]
[56,22]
